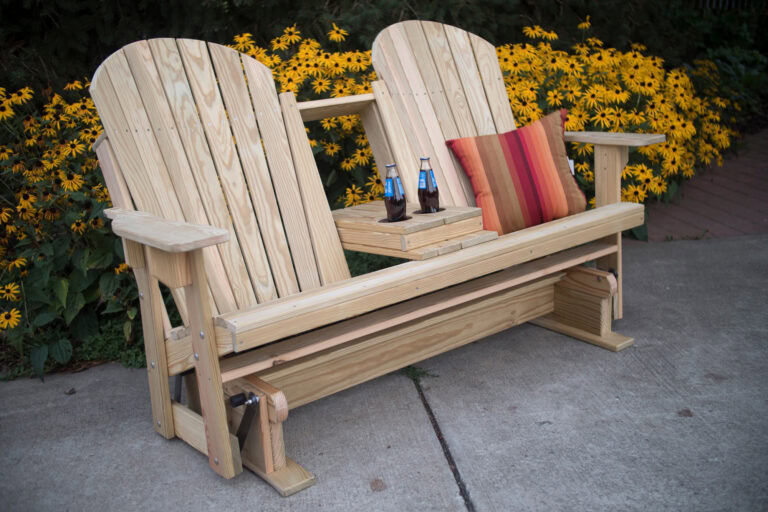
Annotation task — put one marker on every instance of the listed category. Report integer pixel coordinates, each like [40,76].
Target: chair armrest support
[615,139]
[165,235]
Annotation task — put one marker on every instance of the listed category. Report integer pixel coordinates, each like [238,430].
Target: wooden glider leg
[264,450]
[584,301]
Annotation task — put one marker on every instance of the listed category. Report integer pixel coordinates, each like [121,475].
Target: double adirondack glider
[217,196]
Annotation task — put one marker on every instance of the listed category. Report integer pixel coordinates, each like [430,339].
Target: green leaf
[44,318]
[60,289]
[107,284]
[61,351]
[74,304]
[85,324]
[127,328]
[114,306]
[131,313]
[100,259]
[37,358]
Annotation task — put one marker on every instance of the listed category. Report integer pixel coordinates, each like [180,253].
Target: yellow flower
[5,214]
[354,195]
[279,43]
[374,184]
[78,226]
[347,164]
[603,117]
[10,319]
[329,123]
[337,34]
[534,32]
[291,34]
[10,292]
[584,25]
[554,98]
[6,112]
[331,148]
[25,212]
[71,181]
[73,148]
[321,85]
[243,42]
[17,263]
[634,194]
[27,200]
[5,153]
[121,268]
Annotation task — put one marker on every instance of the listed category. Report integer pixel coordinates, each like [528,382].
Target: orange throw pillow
[521,178]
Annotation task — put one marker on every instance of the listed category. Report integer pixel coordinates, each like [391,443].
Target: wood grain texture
[151,304]
[191,429]
[166,235]
[378,289]
[190,131]
[461,48]
[615,139]
[142,67]
[285,173]
[331,107]
[329,372]
[450,187]
[242,119]
[609,163]
[213,115]
[329,256]
[221,457]
[493,83]
[611,341]
[399,136]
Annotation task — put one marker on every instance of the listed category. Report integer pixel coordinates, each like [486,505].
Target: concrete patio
[533,420]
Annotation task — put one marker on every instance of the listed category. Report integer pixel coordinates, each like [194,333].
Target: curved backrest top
[445,83]
[198,134]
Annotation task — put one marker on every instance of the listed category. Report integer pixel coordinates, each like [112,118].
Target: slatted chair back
[198,134]
[445,83]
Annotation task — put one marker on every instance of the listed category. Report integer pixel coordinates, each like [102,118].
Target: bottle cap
[389,165]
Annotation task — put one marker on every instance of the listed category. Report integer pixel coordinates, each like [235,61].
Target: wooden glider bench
[218,198]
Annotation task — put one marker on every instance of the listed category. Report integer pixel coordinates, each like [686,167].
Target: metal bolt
[141,295]
[152,364]
[197,356]
[216,461]
[202,335]
[158,423]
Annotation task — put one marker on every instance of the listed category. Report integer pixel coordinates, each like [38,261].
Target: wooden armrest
[163,234]
[615,139]
[332,107]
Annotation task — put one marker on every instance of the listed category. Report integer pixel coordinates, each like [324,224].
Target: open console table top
[364,228]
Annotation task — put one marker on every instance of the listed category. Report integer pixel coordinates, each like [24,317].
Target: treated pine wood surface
[383,319]
[615,139]
[190,428]
[166,235]
[331,107]
[365,293]
[187,124]
[364,228]
[328,372]
[180,351]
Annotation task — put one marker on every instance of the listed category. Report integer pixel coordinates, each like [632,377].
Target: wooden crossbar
[390,317]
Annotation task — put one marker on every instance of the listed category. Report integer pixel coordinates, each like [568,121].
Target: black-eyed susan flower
[71,181]
[17,263]
[337,34]
[121,268]
[10,291]
[10,319]
[78,226]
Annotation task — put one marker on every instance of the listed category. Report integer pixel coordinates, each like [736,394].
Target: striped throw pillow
[521,178]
